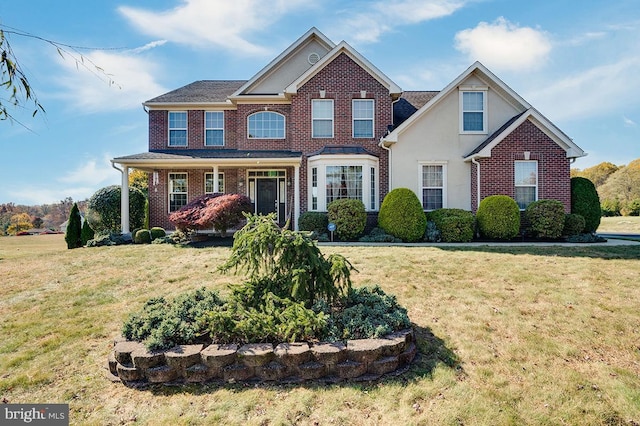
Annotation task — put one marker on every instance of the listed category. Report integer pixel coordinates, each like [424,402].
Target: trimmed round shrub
[313,222]
[455,225]
[498,217]
[157,232]
[546,218]
[103,209]
[349,216]
[585,202]
[143,236]
[573,224]
[401,215]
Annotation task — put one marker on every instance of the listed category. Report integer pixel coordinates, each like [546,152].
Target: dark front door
[267,196]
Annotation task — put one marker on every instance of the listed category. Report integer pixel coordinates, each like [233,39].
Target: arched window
[265,125]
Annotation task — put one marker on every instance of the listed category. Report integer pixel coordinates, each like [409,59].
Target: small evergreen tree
[87,233]
[74,228]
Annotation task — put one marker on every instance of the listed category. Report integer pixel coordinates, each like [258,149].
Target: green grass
[508,335]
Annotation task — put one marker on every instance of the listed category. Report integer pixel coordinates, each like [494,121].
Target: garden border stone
[357,360]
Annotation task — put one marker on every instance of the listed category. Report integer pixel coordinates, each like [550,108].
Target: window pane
[208,183]
[322,128]
[344,182]
[363,129]
[214,119]
[431,199]
[473,121]
[177,191]
[525,195]
[472,101]
[322,109]
[178,138]
[263,125]
[363,109]
[177,120]
[432,176]
[177,129]
[526,173]
[214,138]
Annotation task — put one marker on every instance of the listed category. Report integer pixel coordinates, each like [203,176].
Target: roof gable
[541,122]
[295,60]
[345,48]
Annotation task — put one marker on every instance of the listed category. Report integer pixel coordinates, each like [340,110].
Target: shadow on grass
[432,352]
[594,251]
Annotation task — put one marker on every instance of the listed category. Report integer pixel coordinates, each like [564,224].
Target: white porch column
[216,184]
[296,196]
[124,201]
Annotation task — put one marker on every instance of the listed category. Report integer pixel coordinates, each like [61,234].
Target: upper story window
[214,128]
[322,118]
[433,179]
[362,118]
[266,125]
[526,182]
[177,128]
[473,115]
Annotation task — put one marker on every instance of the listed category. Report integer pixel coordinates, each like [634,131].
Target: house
[320,122]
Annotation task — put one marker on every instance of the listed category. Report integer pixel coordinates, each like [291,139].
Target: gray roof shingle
[409,103]
[177,154]
[201,91]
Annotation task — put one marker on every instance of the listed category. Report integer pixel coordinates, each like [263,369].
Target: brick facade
[497,171]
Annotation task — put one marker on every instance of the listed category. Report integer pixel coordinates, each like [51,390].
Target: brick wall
[497,172]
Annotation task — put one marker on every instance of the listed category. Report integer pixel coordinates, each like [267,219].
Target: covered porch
[271,179]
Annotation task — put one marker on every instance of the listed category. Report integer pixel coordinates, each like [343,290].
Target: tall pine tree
[74,228]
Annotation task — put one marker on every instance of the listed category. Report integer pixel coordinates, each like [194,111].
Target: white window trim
[169,129]
[444,180]
[485,112]
[372,119]
[367,162]
[284,125]
[169,192]
[223,183]
[527,186]
[333,118]
[214,128]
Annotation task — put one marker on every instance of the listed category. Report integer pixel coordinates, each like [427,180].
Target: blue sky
[578,65]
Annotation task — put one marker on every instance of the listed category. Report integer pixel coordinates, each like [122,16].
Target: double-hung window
[526,182]
[344,182]
[209,186]
[362,118]
[177,191]
[177,128]
[433,178]
[214,128]
[266,125]
[473,117]
[322,118]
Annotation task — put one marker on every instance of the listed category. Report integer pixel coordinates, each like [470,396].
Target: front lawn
[508,335]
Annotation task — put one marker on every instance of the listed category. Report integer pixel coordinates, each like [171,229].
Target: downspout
[474,161]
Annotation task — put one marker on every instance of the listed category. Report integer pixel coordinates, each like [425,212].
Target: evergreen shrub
[157,232]
[586,202]
[103,209]
[498,217]
[315,222]
[143,236]
[573,225]
[546,218]
[87,233]
[402,216]
[455,225]
[73,235]
[349,217]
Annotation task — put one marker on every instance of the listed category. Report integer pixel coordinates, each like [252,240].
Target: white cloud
[505,46]
[596,91]
[93,172]
[220,24]
[109,81]
[628,122]
[367,26]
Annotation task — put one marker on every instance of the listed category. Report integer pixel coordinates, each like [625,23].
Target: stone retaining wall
[366,359]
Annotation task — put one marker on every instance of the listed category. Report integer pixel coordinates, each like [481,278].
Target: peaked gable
[287,66]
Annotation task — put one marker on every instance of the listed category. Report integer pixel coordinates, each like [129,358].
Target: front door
[266,196]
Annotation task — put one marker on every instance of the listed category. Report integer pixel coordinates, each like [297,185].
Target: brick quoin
[497,172]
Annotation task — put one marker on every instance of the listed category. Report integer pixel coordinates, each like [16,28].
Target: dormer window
[473,111]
